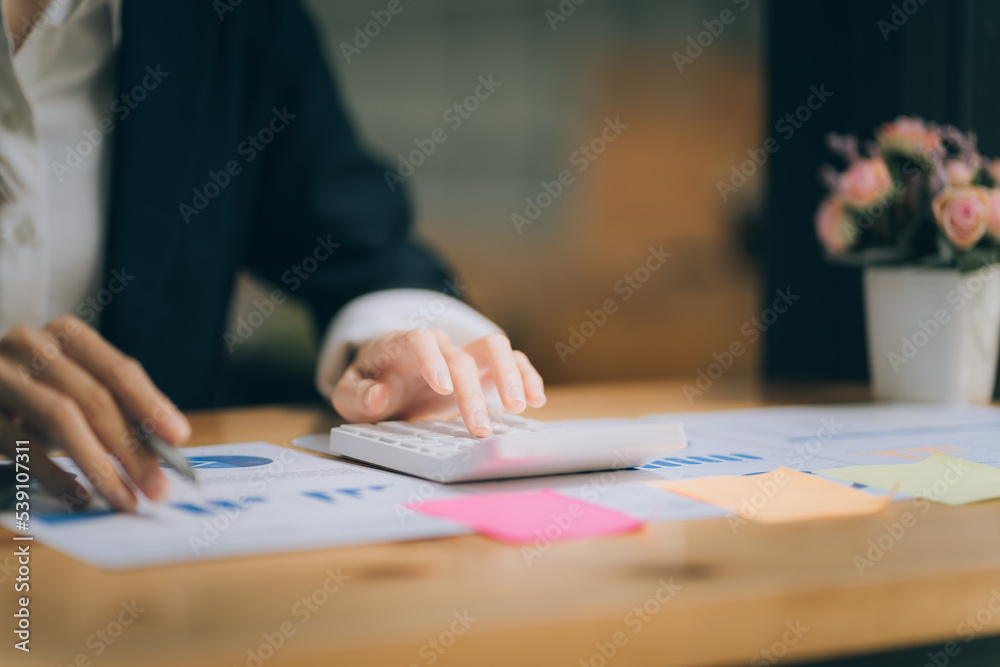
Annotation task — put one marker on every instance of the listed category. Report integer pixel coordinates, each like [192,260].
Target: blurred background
[562,77]
[695,89]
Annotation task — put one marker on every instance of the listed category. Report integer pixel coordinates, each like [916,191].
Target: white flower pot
[933,334]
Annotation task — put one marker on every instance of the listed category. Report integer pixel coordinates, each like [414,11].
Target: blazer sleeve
[321,196]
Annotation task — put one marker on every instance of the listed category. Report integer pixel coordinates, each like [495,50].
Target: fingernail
[444,380]
[480,419]
[515,393]
[369,395]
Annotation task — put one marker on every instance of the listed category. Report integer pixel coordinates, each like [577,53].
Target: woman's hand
[418,372]
[63,386]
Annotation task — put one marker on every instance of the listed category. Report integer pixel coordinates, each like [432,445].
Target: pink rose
[993,219]
[962,213]
[959,173]
[911,137]
[835,226]
[866,182]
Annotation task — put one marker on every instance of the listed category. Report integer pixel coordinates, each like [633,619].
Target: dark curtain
[879,59]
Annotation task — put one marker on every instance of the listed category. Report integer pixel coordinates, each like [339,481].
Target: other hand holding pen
[65,386]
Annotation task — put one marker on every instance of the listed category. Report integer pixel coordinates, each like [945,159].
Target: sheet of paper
[523,518]
[282,500]
[713,454]
[254,498]
[781,496]
[940,477]
[854,434]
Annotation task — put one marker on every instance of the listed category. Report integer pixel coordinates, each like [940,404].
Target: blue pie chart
[225,461]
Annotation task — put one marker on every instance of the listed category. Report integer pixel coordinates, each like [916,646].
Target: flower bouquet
[919,209]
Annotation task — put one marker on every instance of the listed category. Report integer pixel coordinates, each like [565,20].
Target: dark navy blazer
[239,156]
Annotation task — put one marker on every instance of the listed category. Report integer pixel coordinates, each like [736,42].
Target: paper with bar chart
[252,498]
[260,498]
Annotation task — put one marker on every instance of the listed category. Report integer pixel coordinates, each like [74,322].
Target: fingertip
[480,424]
[185,429]
[515,401]
[175,429]
[120,498]
[156,486]
[537,401]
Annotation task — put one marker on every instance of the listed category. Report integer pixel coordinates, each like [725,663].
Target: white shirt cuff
[373,315]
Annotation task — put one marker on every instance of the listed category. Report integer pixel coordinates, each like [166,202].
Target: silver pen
[171,456]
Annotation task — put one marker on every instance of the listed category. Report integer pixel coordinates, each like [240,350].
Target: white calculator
[444,451]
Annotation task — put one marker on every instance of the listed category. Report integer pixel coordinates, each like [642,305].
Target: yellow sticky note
[781,496]
[940,477]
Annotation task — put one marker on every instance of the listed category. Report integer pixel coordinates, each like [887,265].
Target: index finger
[124,376]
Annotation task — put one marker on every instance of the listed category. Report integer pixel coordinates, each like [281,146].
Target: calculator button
[356,428]
[404,428]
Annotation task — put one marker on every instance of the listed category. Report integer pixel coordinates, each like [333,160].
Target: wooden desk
[739,593]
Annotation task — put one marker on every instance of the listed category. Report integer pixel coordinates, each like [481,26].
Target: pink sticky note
[523,518]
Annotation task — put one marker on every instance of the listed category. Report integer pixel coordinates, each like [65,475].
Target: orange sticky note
[781,496]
